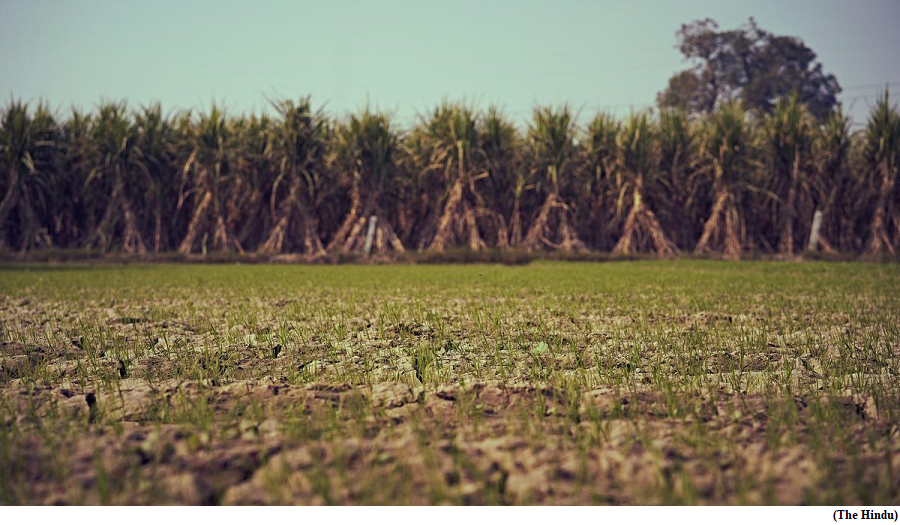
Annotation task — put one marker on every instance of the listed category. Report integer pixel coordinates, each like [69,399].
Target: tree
[750,64]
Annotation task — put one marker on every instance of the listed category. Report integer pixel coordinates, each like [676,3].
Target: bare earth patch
[351,390]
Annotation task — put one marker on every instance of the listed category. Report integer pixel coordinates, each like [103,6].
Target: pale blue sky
[405,56]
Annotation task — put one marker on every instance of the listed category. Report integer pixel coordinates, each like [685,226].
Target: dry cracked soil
[189,385]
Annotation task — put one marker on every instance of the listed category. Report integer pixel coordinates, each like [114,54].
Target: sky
[406,56]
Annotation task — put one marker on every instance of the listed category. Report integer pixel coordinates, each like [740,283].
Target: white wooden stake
[814,231]
[373,221]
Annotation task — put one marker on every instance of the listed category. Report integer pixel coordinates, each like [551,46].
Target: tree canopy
[749,64]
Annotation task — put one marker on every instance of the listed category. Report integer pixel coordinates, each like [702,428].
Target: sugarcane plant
[299,159]
[882,154]
[72,213]
[725,155]
[835,184]
[415,190]
[294,181]
[790,139]
[366,147]
[637,157]
[253,167]
[30,147]
[602,181]
[679,185]
[507,183]
[552,153]
[453,134]
[155,143]
[117,164]
[206,173]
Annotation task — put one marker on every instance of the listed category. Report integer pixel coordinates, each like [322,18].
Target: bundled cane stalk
[552,151]
[637,157]
[882,155]
[206,173]
[367,145]
[725,163]
[298,150]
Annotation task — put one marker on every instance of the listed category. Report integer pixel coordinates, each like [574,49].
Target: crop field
[652,382]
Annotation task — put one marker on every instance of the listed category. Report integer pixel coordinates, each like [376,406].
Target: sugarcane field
[476,287]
